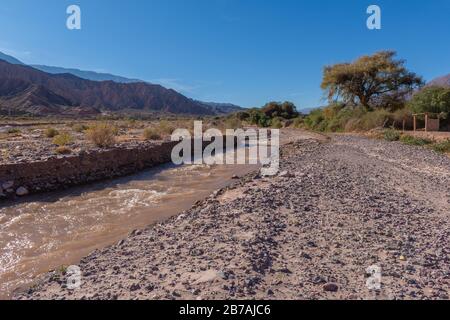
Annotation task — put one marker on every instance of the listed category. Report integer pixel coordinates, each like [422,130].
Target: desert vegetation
[103,135]
[375,92]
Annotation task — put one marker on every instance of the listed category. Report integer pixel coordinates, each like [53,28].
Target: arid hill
[25,90]
[442,81]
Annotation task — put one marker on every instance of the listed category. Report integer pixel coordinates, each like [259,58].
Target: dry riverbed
[337,208]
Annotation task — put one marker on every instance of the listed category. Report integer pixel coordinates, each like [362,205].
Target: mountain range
[45,90]
[442,81]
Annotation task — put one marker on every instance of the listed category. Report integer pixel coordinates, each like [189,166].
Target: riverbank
[311,232]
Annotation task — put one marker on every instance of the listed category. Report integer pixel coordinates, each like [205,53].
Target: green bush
[298,122]
[431,99]
[63,139]
[442,147]
[391,135]
[51,133]
[414,141]
[277,123]
[314,119]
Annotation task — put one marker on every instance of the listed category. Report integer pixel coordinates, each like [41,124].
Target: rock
[285,174]
[330,287]
[135,287]
[235,177]
[7,185]
[22,191]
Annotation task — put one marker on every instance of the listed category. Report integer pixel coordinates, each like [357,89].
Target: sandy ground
[337,208]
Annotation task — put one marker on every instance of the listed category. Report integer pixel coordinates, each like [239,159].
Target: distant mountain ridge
[88,75]
[33,100]
[26,90]
[10,59]
[221,108]
[442,81]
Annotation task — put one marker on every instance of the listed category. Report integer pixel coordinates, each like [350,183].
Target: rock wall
[62,172]
[21,179]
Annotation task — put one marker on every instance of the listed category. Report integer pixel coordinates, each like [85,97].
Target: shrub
[391,135]
[376,119]
[276,123]
[13,131]
[233,123]
[297,123]
[63,139]
[314,118]
[63,150]
[102,135]
[51,133]
[442,147]
[80,128]
[152,134]
[414,141]
[165,127]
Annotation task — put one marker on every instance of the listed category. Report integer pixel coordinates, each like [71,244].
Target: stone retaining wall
[62,172]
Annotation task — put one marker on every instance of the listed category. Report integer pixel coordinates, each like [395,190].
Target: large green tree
[372,81]
[431,99]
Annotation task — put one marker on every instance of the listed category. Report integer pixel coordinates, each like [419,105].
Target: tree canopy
[285,110]
[372,81]
[431,99]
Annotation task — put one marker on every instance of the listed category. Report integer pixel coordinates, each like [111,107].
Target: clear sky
[246,52]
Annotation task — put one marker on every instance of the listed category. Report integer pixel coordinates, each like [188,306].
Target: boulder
[22,191]
[7,185]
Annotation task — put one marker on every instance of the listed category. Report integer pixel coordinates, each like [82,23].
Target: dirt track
[310,233]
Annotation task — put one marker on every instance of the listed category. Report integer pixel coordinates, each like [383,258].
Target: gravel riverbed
[336,209]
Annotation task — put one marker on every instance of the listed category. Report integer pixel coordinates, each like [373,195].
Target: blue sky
[246,52]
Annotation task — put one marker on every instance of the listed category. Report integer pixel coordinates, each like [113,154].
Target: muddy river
[47,231]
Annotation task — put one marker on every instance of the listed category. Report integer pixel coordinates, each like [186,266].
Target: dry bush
[13,131]
[51,133]
[102,135]
[80,128]
[166,128]
[152,134]
[63,150]
[63,139]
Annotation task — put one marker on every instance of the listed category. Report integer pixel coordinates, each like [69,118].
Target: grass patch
[391,135]
[442,147]
[414,141]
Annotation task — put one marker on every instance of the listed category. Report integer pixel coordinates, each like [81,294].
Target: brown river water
[47,231]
